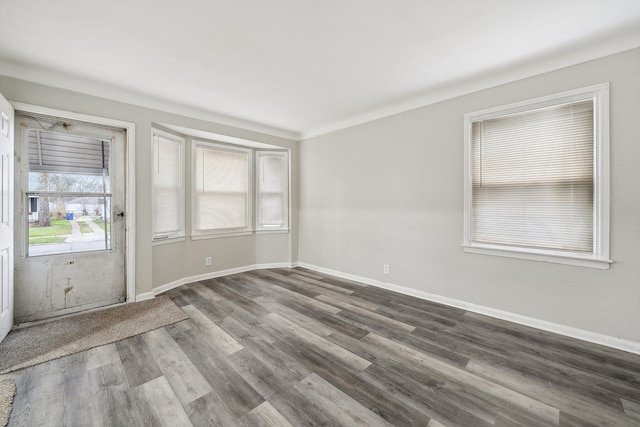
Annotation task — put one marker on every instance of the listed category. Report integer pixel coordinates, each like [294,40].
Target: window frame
[165,237]
[226,232]
[599,257]
[285,227]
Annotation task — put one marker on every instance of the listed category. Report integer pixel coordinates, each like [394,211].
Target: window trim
[272,230]
[599,258]
[181,233]
[226,232]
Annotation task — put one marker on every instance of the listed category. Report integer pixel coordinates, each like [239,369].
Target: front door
[70,228]
[6,214]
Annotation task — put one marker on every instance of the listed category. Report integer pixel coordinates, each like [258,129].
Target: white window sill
[268,231]
[168,240]
[219,235]
[539,255]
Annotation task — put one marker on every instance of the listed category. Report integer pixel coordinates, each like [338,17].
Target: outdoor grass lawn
[58,227]
[84,227]
[100,224]
[45,240]
[42,235]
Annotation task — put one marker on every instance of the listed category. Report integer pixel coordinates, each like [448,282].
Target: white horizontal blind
[221,189]
[167,187]
[272,190]
[532,178]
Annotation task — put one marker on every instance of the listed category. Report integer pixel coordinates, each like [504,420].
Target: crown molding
[586,51]
[90,87]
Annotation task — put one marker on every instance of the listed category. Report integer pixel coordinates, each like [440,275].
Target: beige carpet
[40,343]
[7,391]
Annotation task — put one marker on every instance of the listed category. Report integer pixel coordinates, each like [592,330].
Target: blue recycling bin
[69,216]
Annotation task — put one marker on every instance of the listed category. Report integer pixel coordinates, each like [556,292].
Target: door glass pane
[76,224]
[68,193]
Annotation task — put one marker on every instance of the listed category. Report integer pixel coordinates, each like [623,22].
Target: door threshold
[70,312]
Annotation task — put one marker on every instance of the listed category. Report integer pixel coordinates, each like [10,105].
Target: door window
[68,193]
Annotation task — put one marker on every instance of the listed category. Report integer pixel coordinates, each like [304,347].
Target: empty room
[320,213]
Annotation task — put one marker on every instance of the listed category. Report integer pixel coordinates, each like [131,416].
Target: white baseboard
[189,279]
[593,337]
[144,296]
[273,265]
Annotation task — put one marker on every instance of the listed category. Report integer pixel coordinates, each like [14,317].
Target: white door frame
[130,193]
[6,262]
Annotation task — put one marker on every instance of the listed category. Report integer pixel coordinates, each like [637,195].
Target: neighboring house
[33,209]
[93,206]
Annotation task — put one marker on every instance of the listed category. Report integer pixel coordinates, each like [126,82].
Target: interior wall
[157,265]
[391,192]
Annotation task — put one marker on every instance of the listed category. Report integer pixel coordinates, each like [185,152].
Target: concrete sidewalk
[78,236]
[76,242]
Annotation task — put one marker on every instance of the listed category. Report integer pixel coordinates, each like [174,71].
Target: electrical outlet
[385,268]
[207,261]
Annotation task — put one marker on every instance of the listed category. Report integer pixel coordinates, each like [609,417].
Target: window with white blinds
[221,202]
[272,190]
[536,177]
[167,213]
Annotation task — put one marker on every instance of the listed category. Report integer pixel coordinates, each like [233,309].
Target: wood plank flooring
[292,347]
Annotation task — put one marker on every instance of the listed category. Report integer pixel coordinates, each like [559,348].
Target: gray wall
[391,191]
[157,265]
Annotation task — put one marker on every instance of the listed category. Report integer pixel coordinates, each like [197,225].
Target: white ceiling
[304,67]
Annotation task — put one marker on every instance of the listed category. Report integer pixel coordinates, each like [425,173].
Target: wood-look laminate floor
[294,347]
